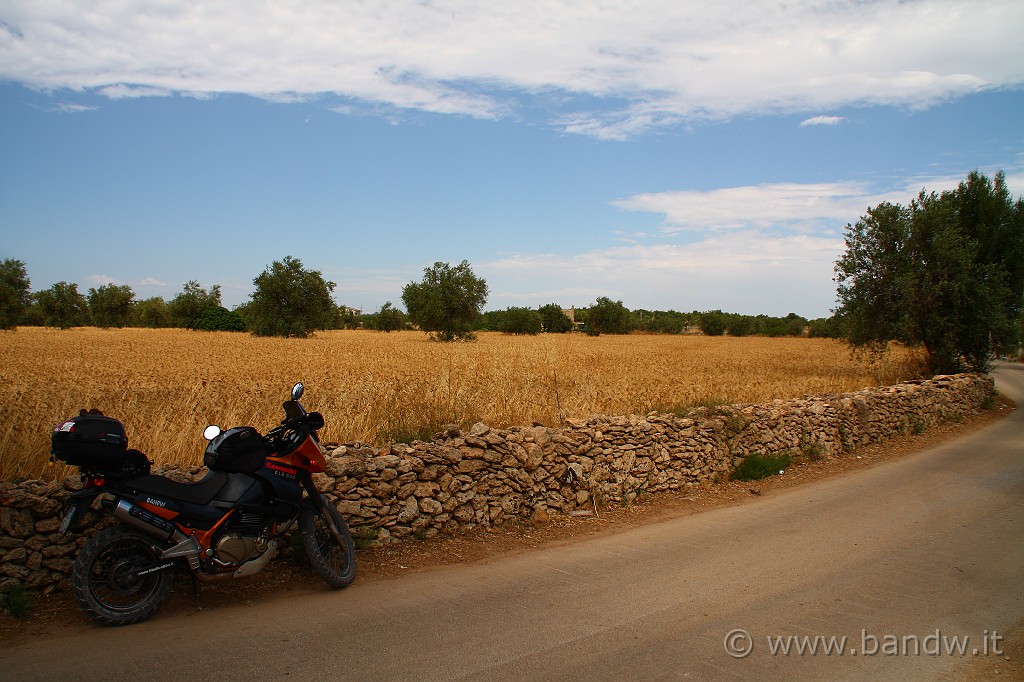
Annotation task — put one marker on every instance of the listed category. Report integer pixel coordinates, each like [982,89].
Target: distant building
[571,314]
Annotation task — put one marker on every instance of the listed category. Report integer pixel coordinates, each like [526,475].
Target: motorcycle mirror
[297,391]
[211,432]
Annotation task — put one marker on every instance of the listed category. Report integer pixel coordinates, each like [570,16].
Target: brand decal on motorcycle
[155,502]
[156,568]
[283,472]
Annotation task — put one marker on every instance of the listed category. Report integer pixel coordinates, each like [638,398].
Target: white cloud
[790,205]
[748,271]
[122,91]
[747,252]
[100,280]
[153,282]
[619,68]
[822,121]
[1015,183]
[68,108]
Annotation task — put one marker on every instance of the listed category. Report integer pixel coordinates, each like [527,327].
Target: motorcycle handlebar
[312,421]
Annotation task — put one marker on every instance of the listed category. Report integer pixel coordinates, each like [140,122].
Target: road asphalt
[909,560]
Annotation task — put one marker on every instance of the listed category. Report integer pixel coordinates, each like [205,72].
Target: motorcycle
[229,524]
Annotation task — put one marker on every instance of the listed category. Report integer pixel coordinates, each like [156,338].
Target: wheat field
[166,385]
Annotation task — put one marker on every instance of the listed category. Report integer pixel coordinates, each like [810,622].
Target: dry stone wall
[487,476]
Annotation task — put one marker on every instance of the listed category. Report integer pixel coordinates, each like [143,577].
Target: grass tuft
[17,601]
[757,466]
[364,536]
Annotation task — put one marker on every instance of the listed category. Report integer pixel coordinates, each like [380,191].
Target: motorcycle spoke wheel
[106,577]
[335,563]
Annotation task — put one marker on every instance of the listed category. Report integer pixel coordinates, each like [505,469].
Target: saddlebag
[241,450]
[92,442]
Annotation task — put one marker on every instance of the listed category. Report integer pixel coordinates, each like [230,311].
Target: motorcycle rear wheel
[105,579]
[334,563]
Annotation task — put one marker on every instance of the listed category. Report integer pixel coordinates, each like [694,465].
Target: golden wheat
[166,385]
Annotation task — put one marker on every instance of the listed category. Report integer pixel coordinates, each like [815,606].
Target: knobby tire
[105,581]
[334,563]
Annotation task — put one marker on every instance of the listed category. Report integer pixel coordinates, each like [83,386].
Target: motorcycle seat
[200,492]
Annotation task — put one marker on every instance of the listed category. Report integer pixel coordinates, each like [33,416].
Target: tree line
[612,317]
[945,272]
[290,300]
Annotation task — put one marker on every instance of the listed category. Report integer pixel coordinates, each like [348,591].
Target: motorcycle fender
[71,514]
[75,508]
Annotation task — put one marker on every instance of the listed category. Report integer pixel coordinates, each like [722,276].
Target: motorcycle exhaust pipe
[185,546]
[137,517]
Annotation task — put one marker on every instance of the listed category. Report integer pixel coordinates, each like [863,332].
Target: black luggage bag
[90,441]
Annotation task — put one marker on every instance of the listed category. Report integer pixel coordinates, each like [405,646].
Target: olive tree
[946,272]
[62,306]
[521,321]
[447,301]
[555,321]
[187,307]
[290,300]
[14,292]
[608,317]
[389,319]
[151,312]
[111,305]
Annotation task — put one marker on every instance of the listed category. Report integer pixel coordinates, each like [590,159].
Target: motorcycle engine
[235,548]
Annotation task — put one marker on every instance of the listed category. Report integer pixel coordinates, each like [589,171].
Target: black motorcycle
[230,524]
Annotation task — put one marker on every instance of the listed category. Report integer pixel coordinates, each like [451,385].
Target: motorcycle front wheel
[334,562]
[107,581]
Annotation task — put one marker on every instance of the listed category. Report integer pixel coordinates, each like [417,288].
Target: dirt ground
[59,615]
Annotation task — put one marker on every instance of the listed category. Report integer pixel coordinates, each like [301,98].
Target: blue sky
[668,154]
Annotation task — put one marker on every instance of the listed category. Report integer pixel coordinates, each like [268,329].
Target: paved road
[929,546]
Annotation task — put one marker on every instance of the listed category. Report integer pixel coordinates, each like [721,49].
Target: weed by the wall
[631,491]
[757,466]
[16,601]
[813,452]
[363,536]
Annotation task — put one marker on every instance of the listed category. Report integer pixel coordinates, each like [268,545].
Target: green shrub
[16,601]
[220,319]
[713,323]
[521,321]
[757,466]
[364,536]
